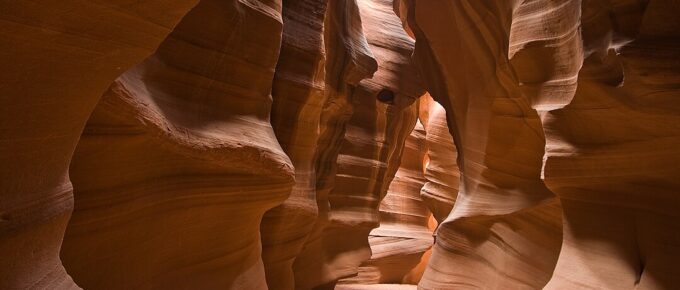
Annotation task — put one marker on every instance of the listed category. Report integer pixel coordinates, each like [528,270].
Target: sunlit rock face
[403,236]
[179,162]
[348,61]
[58,57]
[275,144]
[441,170]
[381,113]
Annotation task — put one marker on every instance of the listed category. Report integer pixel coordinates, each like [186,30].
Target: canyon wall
[58,58]
[441,166]
[505,223]
[381,112]
[572,77]
[298,92]
[403,236]
[311,144]
[179,158]
[618,178]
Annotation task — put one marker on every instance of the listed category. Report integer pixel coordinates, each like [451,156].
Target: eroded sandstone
[266,144]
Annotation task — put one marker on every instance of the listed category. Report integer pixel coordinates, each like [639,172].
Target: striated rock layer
[299,95]
[612,150]
[269,144]
[403,236]
[178,163]
[379,114]
[609,120]
[441,170]
[505,224]
[57,59]
[348,61]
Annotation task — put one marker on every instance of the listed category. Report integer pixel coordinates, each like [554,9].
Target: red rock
[266,144]
[179,162]
[57,59]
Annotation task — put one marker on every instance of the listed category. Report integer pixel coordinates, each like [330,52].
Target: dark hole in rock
[386,96]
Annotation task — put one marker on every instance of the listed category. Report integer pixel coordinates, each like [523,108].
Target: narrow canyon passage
[340,144]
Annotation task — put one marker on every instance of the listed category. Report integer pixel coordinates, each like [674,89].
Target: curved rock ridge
[608,119]
[505,223]
[368,152]
[57,59]
[349,59]
[340,144]
[441,170]
[299,95]
[403,236]
[178,163]
[618,179]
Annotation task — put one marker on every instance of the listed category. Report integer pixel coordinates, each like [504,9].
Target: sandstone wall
[403,236]
[576,75]
[270,144]
[179,162]
[58,58]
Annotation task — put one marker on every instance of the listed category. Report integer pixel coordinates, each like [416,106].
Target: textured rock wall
[617,179]
[368,154]
[299,96]
[252,144]
[441,170]
[178,162]
[348,61]
[502,203]
[403,236]
[57,59]
[580,72]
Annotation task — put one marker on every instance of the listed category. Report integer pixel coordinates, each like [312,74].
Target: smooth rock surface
[270,144]
[179,162]
[57,59]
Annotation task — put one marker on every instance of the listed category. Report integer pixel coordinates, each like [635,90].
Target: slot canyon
[340,144]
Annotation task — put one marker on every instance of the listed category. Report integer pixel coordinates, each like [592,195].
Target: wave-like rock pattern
[609,123]
[551,163]
[441,170]
[348,60]
[505,224]
[57,59]
[368,154]
[299,96]
[403,236]
[612,150]
[178,163]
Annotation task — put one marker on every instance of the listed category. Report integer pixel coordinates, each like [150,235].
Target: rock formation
[441,170]
[382,112]
[270,144]
[612,150]
[403,236]
[57,59]
[179,158]
[500,144]
[577,65]
[299,96]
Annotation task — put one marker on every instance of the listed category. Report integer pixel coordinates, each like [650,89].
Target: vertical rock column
[348,61]
[505,224]
[178,163]
[384,113]
[403,236]
[441,169]
[57,59]
[299,96]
